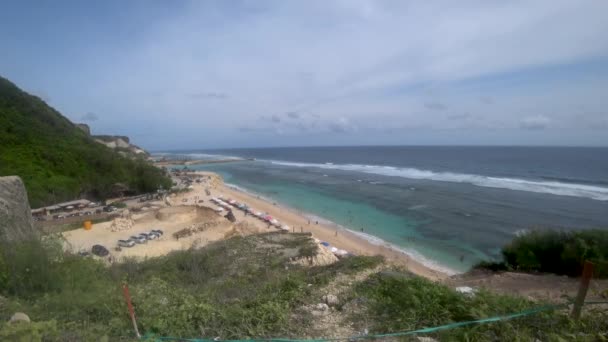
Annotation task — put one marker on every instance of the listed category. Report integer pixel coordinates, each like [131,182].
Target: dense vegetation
[56,160]
[554,251]
[247,288]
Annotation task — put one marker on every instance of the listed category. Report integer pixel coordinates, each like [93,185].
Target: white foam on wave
[206,156]
[547,187]
[415,255]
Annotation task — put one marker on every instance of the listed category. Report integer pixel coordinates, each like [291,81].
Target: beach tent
[232,201]
[274,221]
[258,214]
[285,228]
[326,244]
[268,218]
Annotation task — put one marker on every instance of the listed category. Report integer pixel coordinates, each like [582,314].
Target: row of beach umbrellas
[227,203]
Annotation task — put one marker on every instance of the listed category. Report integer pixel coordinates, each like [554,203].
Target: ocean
[449,207]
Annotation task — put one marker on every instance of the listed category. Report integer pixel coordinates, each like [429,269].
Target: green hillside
[56,160]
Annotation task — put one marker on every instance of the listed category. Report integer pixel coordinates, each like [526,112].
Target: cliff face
[121,144]
[15,215]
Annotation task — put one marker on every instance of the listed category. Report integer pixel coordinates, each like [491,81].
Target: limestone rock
[320,309]
[15,214]
[426,339]
[331,299]
[19,317]
[85,128]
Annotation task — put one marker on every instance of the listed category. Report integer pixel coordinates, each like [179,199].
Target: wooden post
[125,290]
[582,290]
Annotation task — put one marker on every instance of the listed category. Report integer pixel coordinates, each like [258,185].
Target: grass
[393,302]
[238,288]
[246,287]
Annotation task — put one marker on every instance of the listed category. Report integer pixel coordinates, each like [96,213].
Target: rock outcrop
[84,127]
[122,144]
[15,214]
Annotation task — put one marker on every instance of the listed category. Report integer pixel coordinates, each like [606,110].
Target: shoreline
[337,235]
[369,238]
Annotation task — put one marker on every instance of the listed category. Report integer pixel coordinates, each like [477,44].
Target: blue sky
[214,74]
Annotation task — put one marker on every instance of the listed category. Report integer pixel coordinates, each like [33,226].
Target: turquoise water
[358,217]
[450,206]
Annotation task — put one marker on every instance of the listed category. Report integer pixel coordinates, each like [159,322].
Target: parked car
[126,243]
[138,239]
[157,231]
[100,250]
[149,236]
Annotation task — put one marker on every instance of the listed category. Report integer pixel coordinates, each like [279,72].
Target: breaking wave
[546,187]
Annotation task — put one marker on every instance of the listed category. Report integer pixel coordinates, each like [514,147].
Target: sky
[220,74]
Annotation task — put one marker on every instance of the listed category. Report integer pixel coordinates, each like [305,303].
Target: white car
[126,243]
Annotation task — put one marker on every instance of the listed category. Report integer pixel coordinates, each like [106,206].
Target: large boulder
[19,317]
[15,215]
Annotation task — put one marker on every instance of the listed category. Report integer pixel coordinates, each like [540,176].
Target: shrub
[559,252]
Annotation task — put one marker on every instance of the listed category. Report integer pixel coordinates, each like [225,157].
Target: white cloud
[326,65]
[535,122]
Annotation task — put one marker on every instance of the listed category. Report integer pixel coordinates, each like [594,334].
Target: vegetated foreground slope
[249,287]
[56,160]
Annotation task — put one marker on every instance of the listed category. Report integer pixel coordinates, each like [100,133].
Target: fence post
[125,290]
[582,290]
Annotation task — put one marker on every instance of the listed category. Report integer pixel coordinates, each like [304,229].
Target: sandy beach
[194,207]
[336,236]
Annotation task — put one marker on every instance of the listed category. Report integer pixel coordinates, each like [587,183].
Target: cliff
[121,144]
